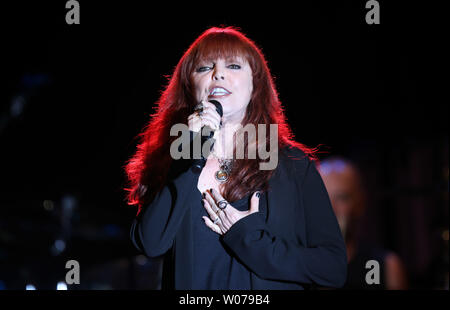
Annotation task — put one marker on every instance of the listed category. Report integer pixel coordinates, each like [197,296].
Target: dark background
[74,97]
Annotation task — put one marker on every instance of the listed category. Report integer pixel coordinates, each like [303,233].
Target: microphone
[198,164]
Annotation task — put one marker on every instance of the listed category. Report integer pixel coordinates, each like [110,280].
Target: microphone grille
[218,106]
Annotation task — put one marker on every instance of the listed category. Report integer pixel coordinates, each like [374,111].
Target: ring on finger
[222,204]
[216,220]
[199,107]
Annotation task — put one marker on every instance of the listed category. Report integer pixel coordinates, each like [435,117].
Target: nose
[218,75]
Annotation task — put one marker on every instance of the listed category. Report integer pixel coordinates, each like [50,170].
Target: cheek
[245,85]
[199,85]
[250,86]
[250,80]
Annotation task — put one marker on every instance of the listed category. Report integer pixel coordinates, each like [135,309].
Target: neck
[234,118]
[223,146]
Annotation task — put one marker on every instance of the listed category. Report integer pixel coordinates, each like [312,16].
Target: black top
[292,245]
[214,265]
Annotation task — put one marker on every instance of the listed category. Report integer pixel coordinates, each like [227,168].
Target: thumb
[254,202]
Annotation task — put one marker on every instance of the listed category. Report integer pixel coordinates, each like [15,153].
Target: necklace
[225,169]
[225,166]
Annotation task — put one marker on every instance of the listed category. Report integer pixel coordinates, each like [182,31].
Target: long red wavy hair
[147,169]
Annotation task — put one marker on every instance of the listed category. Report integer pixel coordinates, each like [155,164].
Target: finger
[213,211]
[195,123]
[224,222]
[232,216]
[215,194]
[207,121]
[254,202]
[212,121]
[209,209]
[211,225]
[194,128]
[210,201]
[223,214]
[211,108]
[212,117]
[194,116]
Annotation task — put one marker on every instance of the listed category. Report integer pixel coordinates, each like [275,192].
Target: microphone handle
[198,164]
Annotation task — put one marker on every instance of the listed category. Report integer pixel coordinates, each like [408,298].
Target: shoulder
[293,152]
[295,160]
[295,155]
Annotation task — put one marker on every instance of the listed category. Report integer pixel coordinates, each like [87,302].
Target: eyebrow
[234,58]
[228,59]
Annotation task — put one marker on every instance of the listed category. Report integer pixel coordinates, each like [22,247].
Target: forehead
[228,58]
[214,53]
[221,45]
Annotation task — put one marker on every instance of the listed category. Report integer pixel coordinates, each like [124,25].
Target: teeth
[219,90]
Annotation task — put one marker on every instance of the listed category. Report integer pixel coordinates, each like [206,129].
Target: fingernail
[258,194]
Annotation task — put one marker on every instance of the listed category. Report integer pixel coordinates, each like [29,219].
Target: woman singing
[233,225]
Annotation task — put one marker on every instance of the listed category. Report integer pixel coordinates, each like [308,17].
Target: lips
[218,91]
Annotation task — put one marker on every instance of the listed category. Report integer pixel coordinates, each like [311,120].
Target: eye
[203,69]
[234,66]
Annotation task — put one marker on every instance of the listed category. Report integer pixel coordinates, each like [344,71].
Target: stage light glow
[61,286]
[60,245]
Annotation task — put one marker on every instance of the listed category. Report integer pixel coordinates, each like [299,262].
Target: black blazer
[298,244]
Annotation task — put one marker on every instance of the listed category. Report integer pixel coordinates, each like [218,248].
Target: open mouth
[219,92]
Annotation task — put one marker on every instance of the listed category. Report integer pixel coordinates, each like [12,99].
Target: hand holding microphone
[208,116]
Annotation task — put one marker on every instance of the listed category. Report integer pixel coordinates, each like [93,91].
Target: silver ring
[222,204]
[216,220]
[199,109]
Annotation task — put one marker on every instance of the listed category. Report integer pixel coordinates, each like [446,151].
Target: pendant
[221,175]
